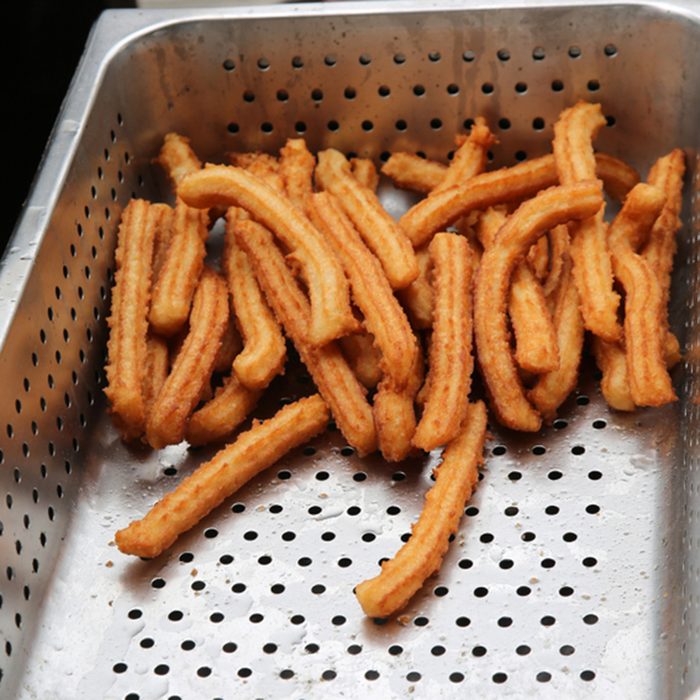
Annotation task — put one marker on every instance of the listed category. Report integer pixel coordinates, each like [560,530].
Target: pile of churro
[510,271]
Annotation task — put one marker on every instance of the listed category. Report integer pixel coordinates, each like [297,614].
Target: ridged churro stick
[455,479]
[378,230]
[538,259]
[383,316]
[193,365]
[177,158]
[328,368]
[296,167]
[531,220]
[265,350]
[614,383]
[156,369]
[417,298]
[182,265]
[450,355]
[213,482]
[650,383]
[558,254]
[231,345]
[128,324]
[163,236]
[365,173]
[618,177]
[331,315]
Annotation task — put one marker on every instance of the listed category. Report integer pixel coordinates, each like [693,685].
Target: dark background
[44,42]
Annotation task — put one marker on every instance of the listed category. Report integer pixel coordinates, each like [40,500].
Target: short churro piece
[128,324]
[618,177]
[264,348]
[417,298]
[182,265]
[650,383]
[614,384]
[377,228]
[328,368]
[455,479]
[365,173]
[156,370]
[450,356]
[411,172]
[296,166]
[213,482]
[331,315]
[177,158]
[193,366]
[220,416]
[363,357]
[383,316]
[231,345]
[437,212]
[531,220]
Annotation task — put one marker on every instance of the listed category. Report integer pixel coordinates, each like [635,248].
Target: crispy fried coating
[296,166]
[538,258]
[328,368]
[614,384]
[450,356]
[531,220]
[193,366]
[411,172]
[417,298]
[437,212]
[331,315]
[618,177]
[231,345]
[263,165]
[535,338]
[264,348]
[559,253]
[363,357]
[383,316]
[650,383]
[163,235]
[365,172]
[156,370]
[455,479]
[220,416]
[177,158]
[182,265]
[378,230]
[128,322]
[220,477]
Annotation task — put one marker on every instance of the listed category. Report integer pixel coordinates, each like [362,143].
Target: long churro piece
[614,383]
[128,324]
[264,348]
[365,172]
[177,158]
[417,298]
[328,368]
[455,479]
[377,228]
[411,172]
[437,212]
[383,316]
[193,365]
[296,167]
[450,355]
[535,338]
[182,265]
[650,383]
[363,357]
[219,417]
[534,217]
[220,477]
[331,315]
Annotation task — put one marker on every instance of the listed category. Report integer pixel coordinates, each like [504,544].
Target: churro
[231,345]
[296,167]
[377,228]
[156,370]
[263,165]
[411,172]
[213,482]
[363,357]
[177,158]
[455,479]
[365,173]
[331,315]
[162,237]
[618,177]
[614,383]
[417,298]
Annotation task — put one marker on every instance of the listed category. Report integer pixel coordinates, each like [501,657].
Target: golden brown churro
[650,383]
[156,370]
[213,482]
[534,217]
[182,265]
[558,255]
[378,230]
[128,324]
[177,158]
[417,298]
[618,177]
[383,316]
[328,368]
[263,166]
[264,350]
[614,384]
[365,173]
[450,356]
[297,170]
[538,258]
[193,365]
[163,235]
[411,172]
[231,345]
[364,358]
[331,315]
[455,479]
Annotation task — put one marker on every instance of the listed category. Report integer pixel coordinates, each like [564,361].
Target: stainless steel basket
[575,572]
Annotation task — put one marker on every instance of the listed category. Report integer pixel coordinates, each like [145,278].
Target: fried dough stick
[455,479]
[128,320]
[538,259]
[163,235]
[383,316]
[618,177]
[437,212]
[531,220]
[614,384]
[331,315]
[558,255]
[264,350]
[182,265]
[211,483]
[378,230]
[193,365]
[297,170]
[450,356]
[156,370]
[365,173]
[574,132]
[535,338]
[330,372]
[417,298]
[177,158]
[364,358]
[231,345]
[263,165]
[650,383]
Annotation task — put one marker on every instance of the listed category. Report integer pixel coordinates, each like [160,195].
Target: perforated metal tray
[575,570]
